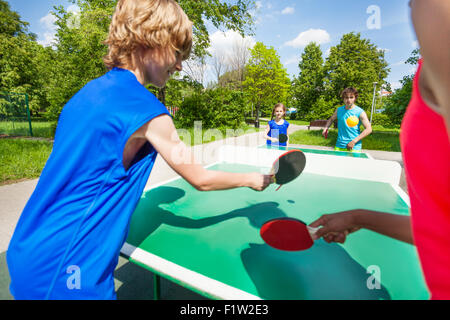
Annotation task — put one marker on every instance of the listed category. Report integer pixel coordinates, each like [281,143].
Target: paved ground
[131,281]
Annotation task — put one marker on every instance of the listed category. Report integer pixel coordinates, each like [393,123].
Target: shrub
[381,119]
[216,108]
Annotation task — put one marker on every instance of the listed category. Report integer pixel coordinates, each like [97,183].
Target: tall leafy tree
[79,50]
[19,54]
[354,62]
[11,23]
[395,106]
[267,81]
[308,86]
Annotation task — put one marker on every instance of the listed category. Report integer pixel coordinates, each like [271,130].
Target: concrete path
[133,282]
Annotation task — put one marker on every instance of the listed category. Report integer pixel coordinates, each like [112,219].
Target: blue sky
[288,25]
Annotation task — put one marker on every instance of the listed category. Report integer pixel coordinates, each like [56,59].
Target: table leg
[156,287]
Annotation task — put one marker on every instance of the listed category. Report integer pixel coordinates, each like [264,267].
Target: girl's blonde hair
[276,106]
[147,24]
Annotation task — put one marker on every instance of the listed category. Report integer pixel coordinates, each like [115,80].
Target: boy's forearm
[391,225]
[218,180]
[363,134]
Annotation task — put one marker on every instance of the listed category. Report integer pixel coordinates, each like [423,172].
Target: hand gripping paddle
[282,138]
[288,166]
[287,234]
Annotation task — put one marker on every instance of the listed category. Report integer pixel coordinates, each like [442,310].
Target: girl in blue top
[349,118]
[67,241]
[276,127]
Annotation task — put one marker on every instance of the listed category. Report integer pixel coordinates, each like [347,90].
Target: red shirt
[426,153]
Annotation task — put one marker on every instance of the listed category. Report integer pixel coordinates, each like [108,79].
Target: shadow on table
[325,271]
[148,215]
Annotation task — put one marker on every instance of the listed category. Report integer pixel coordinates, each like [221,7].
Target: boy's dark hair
[349,90]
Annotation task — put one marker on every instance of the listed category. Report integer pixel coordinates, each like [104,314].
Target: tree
[80,45]
[396,104]
[233,15]
[308,87]
[354,62]
[267,81]
[20,67]
[11,24]
[230,79]
[219,65]
[239,58]
[79,50]
[195,68]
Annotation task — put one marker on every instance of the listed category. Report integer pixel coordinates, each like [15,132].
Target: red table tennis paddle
[282,138]
[288,166]
[287,234]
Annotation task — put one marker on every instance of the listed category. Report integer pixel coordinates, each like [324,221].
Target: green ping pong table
[209,242]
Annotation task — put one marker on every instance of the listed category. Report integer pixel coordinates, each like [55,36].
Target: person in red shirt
[425,143]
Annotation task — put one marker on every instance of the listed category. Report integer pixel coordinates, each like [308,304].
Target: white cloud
[258,5]
[48,23]
[47,40]
[396,85]
[319,36]
[222,44]
[415,44]
[47,37]
[223,41]
[288,10]
[73,8]
[385,50]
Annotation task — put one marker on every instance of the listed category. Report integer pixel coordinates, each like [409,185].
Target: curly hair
[349,90]
[147,24]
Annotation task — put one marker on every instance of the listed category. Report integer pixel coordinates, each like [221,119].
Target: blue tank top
[67,242]
[348,130]
[275,130]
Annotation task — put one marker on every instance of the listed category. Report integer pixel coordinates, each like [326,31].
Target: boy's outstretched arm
[335,227]
[162,134]
[329,122]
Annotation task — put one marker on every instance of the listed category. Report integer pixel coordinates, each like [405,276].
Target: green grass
[25,158]
[40,129]
[379,139]
[296,122]
[299,122]
[22,158]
